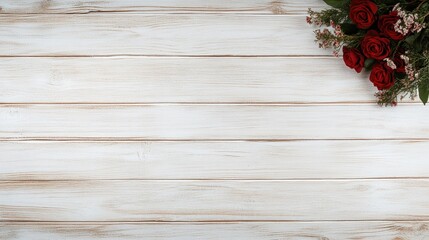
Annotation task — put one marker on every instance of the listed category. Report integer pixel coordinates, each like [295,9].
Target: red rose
[374,46]
[362,12]
[386,24]
[353,58]
[382,76]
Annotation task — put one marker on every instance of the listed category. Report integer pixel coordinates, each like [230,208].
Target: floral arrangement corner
[389,38]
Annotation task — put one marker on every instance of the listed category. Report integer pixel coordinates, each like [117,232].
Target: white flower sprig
[390,63]
[409,69]
[408,22]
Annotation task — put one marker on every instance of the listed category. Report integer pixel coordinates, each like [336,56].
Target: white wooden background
[197,119]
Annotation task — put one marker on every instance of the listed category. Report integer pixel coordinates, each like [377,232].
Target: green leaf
[349,28]
[368,63]
[424,40]
[416,41]
[400,75]
[390,2]
[424,91]
[334,3]
[410,40]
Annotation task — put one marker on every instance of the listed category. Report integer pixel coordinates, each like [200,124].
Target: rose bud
[353,58]
[382,76]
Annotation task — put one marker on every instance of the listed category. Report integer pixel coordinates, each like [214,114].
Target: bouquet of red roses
[388,38]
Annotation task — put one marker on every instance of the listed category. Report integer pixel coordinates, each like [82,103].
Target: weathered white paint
[164,6]
[213,160]
[173,200]
[188,52]
[156,34]
[220,121]
[176,79]
[214,231]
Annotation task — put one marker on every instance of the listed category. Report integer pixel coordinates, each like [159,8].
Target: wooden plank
[212,122]
[165,6]
[214,200]
[166,79]
[213,231]
[145,34]
[213,160]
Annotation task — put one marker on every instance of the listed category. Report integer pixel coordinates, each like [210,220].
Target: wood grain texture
[156,6]
[158,34]
[214,200]
[186,101]
[167,79]
[213,160]
[214,231]
[212,122]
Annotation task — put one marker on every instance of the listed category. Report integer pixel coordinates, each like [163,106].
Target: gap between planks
[189,12]
[221,179]
[291,104]
[327,56]
[128,139]
[262,104]
[23,222]
[384,179]
[125,140]
[131,139]
[3,104]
